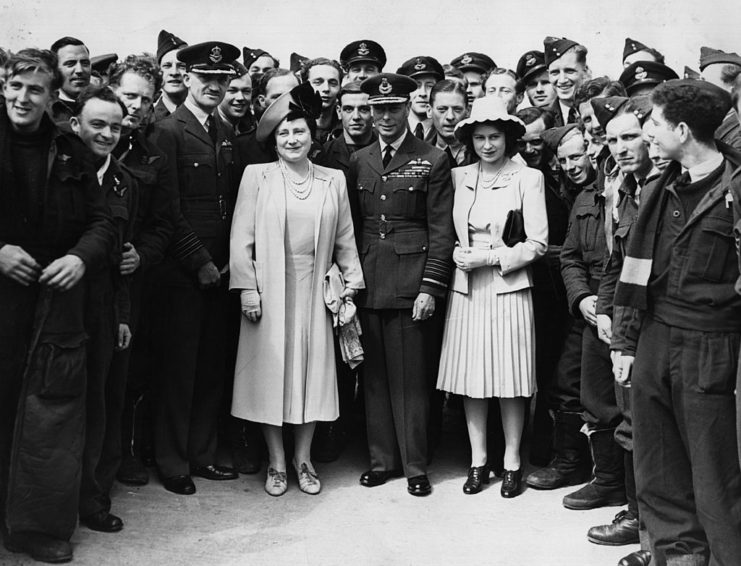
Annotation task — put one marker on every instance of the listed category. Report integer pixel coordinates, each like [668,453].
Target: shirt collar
[63,96]
[702,170]
[103,169]
[396,144]
[200,115]
[169,104]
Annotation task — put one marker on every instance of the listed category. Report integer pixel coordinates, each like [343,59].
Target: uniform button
[218,174]
[195,165]
[383,197]
[383,178]
[383,236]
[676,214]
[424,248]
[411,188]
[383,218]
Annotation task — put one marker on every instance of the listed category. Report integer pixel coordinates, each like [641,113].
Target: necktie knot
[387,155]
[419,131]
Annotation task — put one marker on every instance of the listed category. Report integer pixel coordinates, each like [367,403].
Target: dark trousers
[686,464]
[97,481]
[565,394]
[192,376]
[398,382]
[597,382]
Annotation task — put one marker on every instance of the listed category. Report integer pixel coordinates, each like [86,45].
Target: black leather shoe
[40,547]
[212,472]
[419,486]
[373,478]
[512,483]
[477,475]
[181,485]
[623,530]
[637,558]
[132,471]
[102,521]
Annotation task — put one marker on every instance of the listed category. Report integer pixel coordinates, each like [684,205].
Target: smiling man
[236,108]
[402,197]
[534,80]
[362,59]
[567,70]
[74,65]
[173,70]
[53,229]
[425,71]
[192,297]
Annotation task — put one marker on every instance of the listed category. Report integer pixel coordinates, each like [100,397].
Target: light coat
[519,187]
[258,262]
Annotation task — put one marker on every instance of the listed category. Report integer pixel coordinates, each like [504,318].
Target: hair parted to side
[143,65]
[34,60]
[700,109]
[446,85]
[320,61]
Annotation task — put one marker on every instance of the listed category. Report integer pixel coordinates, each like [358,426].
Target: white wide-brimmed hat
[489,109]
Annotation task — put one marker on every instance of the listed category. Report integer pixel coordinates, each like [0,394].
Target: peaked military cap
[249,56]
[363,50]
[554,47]
[553,136]
[210,58]
[710,56]
[529,64]
[101,63]
[473,61]
[645,73]
[388,88]
[167,42]
[606,108]
[691,74]
[634,46]
[422,65]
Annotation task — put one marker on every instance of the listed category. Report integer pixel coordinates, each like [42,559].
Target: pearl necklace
[489,183]
[300,189]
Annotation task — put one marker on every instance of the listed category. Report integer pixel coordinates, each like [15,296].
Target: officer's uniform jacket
[160,111]
[206,178]
[404,224]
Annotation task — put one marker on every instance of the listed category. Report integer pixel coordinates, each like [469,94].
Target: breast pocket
[587,218]
[712,249]
[366,190]
[410,196]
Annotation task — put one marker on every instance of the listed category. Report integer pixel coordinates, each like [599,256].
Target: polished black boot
[570,464]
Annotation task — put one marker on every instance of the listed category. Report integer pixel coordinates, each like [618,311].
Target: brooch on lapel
[117,188]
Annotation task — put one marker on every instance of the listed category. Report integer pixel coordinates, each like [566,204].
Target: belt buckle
[383,228]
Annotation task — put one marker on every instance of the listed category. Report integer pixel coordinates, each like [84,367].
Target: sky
[443,29]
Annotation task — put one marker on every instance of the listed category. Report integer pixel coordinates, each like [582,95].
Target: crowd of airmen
[118,334]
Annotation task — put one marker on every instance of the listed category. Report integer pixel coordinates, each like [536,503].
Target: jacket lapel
[274,185]
[710,199]
[402,156]
[192,125]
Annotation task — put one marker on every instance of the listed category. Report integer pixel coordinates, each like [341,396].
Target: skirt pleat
[489,341]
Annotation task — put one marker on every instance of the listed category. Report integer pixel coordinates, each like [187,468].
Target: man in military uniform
[362,59]
[634,51]
[534,79]
[236,108]
[402,196]
[74,64]
[425,71]
[566,61]
[192,295]
[722,69]
[325,76]
[474,66]
[258,61]
[448,106]
[641,77]
[682,335]
[174,90]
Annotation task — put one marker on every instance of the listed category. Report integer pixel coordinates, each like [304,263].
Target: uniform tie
[387,155]
[573,116]
[419,131]
[211,127]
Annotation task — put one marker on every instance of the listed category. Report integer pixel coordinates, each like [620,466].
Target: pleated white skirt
[489,341]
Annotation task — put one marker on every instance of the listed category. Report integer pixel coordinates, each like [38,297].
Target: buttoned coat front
[258,262]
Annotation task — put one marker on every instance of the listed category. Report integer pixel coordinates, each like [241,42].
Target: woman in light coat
[292,220]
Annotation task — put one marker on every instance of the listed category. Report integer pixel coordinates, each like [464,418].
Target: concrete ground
[237,523]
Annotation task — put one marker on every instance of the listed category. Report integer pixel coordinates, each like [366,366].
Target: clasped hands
[61,274]
[252,306]
[467,259]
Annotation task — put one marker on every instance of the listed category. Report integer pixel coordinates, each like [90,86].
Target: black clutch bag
[514,229]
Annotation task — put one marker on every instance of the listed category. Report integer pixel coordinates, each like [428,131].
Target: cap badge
[215,55]
[363,49]
[419,65]
[641,73]
[529,60]
[385,87]
[609,107]
[466,59]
